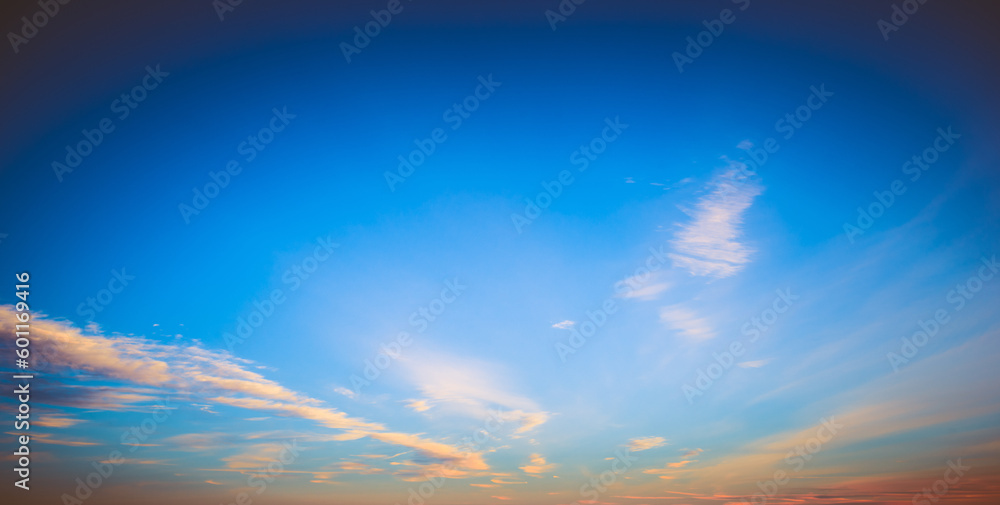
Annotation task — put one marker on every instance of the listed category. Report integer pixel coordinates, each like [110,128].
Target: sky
[539,253]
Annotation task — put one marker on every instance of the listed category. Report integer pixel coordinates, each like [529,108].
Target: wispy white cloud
[642,287]
[709,244]
[471,388]
[564,325]
[753,364]
[381,456]
[686,321]
[346,392]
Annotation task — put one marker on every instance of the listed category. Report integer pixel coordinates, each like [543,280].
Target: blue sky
[729,235]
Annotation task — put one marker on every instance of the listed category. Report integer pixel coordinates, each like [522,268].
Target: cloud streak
[686,322]
[709,244]
[217,376]
[646,443]
[470,388]
[538,465]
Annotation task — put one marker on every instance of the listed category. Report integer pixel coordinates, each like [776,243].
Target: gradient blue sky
[495,347]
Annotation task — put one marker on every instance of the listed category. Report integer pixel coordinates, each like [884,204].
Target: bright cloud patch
[709,244]
[646,443]
[686,322]
[538,465]
[471,388]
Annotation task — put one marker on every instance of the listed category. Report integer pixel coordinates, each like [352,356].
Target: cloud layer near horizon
[215,376]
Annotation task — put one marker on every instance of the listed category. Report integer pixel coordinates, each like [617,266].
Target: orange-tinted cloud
[538,465]
[219,376]
[646,443]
